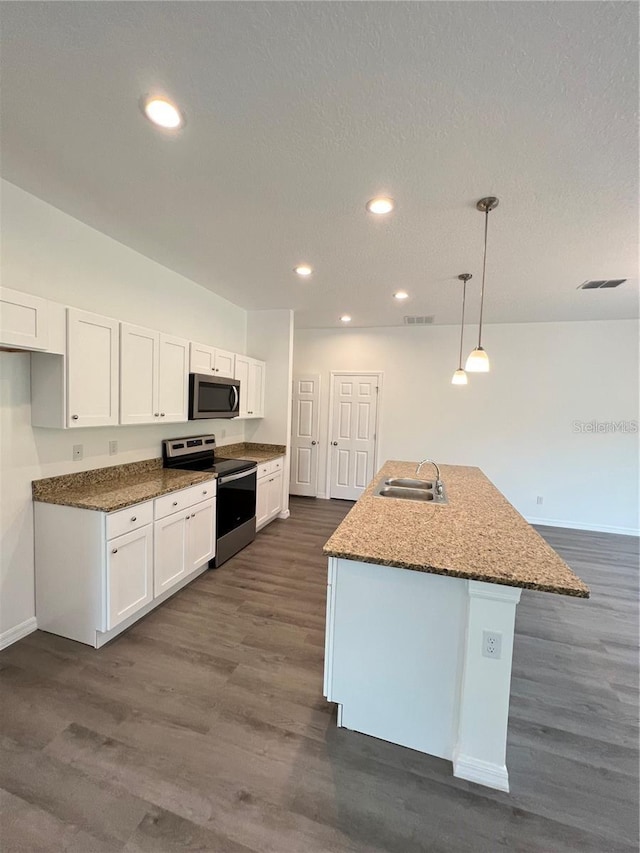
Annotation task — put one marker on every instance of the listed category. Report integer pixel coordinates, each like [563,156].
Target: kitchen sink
[409,483]
[408,489]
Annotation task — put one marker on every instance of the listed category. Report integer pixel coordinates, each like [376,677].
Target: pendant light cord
[484,271]
[464,296]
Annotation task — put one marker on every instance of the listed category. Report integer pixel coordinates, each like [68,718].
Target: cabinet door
[129,582]
[274,500]
[170,551]
[202,359]
[242,373]
[225,363]
[92,369]
[201,535]
[262,501]
[173,388]
[138,375]
[23,320]
[256,383]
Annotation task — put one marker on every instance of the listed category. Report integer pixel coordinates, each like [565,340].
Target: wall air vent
[600,283]
[418,320]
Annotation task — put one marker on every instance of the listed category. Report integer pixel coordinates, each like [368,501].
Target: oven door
[213,398]
[235,501]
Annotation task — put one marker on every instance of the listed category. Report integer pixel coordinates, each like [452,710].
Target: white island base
[404,662]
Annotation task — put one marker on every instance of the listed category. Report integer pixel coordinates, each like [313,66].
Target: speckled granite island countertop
[116,487]
[478,535]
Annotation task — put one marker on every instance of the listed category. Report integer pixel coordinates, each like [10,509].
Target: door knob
[314,442]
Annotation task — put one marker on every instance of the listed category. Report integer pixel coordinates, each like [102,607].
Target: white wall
[515,423]
[50,254]
[271,339]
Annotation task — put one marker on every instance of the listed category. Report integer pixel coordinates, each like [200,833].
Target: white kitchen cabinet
[211,360]
[97,573]
[153,376]
[268,492]
[92,369]
[24,320]
[251,374]
[129,574]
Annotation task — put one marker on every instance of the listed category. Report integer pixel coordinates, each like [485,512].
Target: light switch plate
[77,452]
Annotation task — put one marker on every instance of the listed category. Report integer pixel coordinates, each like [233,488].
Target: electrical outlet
[77,452]
[113,448]
[539,499]
[491,645]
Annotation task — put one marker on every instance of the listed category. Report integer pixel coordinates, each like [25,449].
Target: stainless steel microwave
[213,397]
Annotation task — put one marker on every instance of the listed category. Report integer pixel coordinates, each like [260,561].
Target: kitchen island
[421,602]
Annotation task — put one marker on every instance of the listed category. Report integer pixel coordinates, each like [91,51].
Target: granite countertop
[253,452]
[119,486]
[116,487]
[478,535]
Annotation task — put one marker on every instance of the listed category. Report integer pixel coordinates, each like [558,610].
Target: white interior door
[304,436]
[354,407]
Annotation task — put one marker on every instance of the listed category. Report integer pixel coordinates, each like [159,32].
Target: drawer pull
[205,492]
[193,515]
[115,551]
[134,518]
[74,417]
[175,503]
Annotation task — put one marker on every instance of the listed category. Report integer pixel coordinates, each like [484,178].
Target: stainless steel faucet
[439,486]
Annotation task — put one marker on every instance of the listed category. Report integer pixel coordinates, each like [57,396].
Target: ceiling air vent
[599,283]
[418,320]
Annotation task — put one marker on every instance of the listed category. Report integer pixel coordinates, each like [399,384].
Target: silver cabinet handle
[115,551]
[187,517]
[205,492]
[175,503]
[74,417]
[134,518]
[156,414]
[161,414]
[335,443]
[193,515]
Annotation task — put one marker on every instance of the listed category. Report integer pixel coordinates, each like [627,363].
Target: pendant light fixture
[460,377]
[478,360]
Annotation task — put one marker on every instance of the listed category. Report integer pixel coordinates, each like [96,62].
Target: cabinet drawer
[176,501]
[128,519]
[266,468]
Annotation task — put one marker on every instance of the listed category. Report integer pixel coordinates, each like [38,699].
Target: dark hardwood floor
[204,727]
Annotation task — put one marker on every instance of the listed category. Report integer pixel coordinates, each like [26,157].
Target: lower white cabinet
[129,576]
[183,542]
[268,492]
[96,573]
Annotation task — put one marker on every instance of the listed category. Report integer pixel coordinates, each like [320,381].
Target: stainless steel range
[236,489]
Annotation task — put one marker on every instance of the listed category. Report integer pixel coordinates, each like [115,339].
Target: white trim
[16,633]
[579,525]
[494,591]
[482,772]
[376,460]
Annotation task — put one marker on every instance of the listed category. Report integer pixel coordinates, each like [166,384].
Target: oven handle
[230,477]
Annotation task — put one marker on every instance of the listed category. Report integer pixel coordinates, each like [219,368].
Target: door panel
[353,434]
[173,390]
[92,369]
[201,534]
[304,436]
[138,375]
[129,574]
[170,551]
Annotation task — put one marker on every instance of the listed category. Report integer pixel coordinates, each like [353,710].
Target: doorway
[305,438]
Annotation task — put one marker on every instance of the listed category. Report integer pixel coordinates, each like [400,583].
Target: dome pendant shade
[477,362]
[459,377]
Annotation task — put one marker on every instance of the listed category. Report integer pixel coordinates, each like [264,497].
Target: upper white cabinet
[210,360]
[92,369]
[251,374]
[23,320]
[153,376]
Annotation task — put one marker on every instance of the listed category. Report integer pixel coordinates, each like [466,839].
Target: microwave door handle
[234,405]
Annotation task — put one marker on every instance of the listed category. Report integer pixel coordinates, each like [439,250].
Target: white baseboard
[578,525]
[476,770]
[284,514]
[18,632]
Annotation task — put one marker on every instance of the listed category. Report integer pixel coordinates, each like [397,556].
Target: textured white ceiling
[297,113]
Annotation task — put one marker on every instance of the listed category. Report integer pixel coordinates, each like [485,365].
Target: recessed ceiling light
[162,113]
[401,294]
[345,318]
[303,270]
[380,205]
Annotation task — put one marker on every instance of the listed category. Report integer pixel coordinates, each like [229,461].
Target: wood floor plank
[203,727]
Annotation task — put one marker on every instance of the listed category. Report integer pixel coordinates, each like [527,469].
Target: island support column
[480,750]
